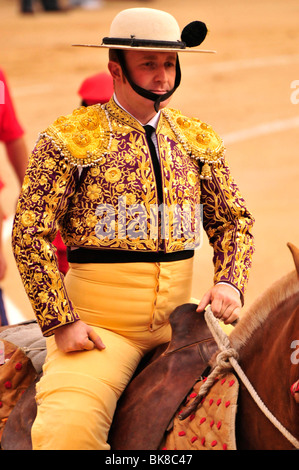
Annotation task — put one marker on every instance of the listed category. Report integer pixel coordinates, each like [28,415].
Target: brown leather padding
[16,375]
[154,395]
[17,431]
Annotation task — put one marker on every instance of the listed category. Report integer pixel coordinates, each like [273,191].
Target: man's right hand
[77,336]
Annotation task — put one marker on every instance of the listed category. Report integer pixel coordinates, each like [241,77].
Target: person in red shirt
[11,131]
[12,136]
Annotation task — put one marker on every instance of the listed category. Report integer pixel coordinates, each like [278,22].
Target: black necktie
[149,130]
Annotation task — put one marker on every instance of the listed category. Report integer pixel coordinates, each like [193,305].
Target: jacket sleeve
[48,185]
[228,224]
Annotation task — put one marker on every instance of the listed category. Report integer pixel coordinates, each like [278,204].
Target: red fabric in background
[10,128]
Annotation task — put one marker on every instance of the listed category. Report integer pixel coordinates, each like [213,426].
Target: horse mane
[252,319]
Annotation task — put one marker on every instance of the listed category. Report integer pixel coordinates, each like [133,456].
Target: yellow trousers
[128,304]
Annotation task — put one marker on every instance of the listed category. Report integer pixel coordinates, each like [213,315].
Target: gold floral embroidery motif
[28,218]
[112,175]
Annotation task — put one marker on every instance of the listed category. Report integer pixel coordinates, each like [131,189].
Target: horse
[265,340]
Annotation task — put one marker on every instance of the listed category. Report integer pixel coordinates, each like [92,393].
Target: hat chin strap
[146,93]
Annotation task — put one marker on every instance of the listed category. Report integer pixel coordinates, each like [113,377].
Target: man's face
[154,71]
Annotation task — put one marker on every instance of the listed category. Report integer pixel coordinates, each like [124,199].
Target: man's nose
[161,74]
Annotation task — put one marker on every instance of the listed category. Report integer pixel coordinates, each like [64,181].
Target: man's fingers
[225,302]
[77,336]
[204,302]
[232,316]
[217,308]
[88,345]
[96,340]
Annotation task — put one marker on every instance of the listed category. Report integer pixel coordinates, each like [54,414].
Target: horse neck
[270,319]
[272,339]
[265,358]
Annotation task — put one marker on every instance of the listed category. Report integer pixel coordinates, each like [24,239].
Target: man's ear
[115,70]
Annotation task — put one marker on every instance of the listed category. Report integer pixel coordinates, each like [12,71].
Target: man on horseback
[123,183]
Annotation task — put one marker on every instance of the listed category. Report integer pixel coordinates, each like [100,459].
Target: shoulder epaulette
[82,137]
[198,139]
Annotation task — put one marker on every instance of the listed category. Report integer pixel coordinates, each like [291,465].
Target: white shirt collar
[152,122]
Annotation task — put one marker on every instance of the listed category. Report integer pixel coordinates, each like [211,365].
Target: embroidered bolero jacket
[90,174]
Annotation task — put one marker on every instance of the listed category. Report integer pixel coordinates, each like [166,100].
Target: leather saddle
[151,399]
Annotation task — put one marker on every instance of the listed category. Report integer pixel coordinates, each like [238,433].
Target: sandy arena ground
[244,91]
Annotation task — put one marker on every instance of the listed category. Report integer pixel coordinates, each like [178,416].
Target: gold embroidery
[228,225]
[206,172]
[80,110]
[91,122]
[197,138]
[184,123]
[93,191]
[82,140]
[192,178]
[130,198]
[28,218]
[112,175]
[203,139]
[83,137]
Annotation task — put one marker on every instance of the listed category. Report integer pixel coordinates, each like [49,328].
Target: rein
[225,359]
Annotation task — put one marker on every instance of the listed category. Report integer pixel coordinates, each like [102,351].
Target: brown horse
[266,340]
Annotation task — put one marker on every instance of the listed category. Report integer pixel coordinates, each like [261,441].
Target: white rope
[228,356]
[28,349]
